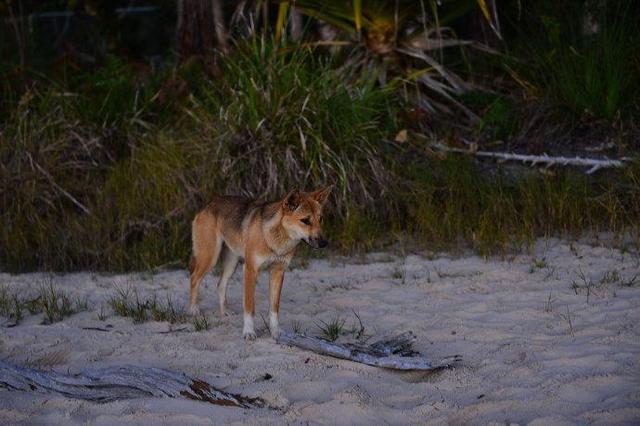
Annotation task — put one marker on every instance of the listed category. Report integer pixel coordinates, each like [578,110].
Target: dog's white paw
[249,335]
[274,328]
[248,330]
[194,310]
[275,333]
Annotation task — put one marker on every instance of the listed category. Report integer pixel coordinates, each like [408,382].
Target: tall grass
[586,70]
[110,189]
[116,188]
[457,205]
[303,124]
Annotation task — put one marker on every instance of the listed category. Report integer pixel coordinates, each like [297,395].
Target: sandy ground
[535,352]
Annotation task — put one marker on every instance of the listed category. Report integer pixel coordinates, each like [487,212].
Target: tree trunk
[19,32]
[220,27]
[197,32]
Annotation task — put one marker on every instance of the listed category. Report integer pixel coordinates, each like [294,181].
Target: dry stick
[96,329]
[394,353]
[594,163]
[175,330]
[567,318]
[118,383]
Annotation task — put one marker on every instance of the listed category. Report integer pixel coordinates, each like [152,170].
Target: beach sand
[535,350]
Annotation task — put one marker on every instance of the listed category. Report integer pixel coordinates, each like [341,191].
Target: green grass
[587,73]
[56,304]
[595,76]
[109,189]
[10,305]
[333,329]
[116,187]
[127,303]
[304,123]
[167,311]
[201,323]
[123,304]
[456,205]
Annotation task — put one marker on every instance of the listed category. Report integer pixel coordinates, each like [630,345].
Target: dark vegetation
[110,139]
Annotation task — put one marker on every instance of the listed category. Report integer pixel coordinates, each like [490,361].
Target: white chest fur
[265,261]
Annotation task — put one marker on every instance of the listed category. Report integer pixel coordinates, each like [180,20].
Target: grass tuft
[127,303]
[331,330]
[201,323]
[56,304]
[166,311]
[124,305]
[296,326]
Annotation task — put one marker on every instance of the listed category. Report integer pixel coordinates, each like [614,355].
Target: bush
[288,119]
[592,71]
[77,193]
[97,208]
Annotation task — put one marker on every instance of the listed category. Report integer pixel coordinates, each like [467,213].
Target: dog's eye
[306,221]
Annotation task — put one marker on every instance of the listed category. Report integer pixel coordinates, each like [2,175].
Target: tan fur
[265,235]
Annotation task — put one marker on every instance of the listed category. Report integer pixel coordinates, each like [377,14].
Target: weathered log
[395,353]
[117,383]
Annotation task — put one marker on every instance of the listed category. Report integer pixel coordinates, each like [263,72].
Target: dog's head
[302,215]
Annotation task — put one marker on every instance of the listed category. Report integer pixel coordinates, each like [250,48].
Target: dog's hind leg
[207,244]
[230,261]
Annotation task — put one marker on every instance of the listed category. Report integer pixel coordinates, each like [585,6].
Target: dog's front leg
[250,277]
[276,279]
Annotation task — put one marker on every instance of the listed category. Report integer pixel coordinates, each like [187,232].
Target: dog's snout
[317,242]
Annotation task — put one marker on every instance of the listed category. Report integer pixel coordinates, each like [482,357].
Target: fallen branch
[593,163]
[117,383]
[395,353]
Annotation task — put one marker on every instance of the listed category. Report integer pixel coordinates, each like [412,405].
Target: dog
[265,235]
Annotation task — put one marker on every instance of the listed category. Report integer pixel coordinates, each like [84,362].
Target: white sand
[523,362]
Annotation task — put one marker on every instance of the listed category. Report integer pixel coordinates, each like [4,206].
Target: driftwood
[395,353]
[593,163]
[116,383]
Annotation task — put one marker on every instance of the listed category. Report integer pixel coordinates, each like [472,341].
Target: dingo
[264,235]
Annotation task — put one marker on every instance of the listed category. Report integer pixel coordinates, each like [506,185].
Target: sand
[535,350]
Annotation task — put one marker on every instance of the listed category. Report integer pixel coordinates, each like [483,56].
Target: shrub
[287,119]
[120,195]
[586,71]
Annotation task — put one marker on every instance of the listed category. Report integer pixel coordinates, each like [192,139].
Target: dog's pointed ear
[321,195]
[291,201]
